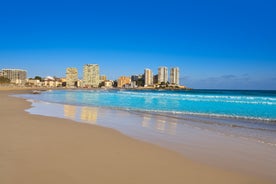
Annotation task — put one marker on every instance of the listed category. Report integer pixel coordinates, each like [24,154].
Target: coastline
[39,149]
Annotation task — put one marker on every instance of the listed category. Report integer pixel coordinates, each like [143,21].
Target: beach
[41,149]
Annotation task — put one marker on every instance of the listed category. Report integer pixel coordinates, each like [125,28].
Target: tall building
[148,77]
[123,81]
[155,79]
[162,74]
[71,77]
[174,76]
[17,76]
[91,75]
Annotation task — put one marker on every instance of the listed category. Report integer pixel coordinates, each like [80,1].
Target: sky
[217,44]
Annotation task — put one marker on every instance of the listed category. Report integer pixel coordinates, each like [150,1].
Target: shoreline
[205,143]
[39,149]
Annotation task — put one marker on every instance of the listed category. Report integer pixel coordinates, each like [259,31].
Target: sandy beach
[39,149]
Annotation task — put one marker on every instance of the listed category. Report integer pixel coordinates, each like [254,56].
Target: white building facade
[162,74]
[174,76]
[91,75]
[148,77]
[17,76]
[71,77]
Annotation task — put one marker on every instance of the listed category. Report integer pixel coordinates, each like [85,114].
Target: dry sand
[36,150]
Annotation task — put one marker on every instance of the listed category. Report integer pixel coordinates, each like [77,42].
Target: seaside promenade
[39,149]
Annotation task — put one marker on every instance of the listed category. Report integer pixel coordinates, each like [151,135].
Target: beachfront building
[174,76]
[162,74]
[155,79]
[108,84]
[34,82]
[148,77]
[71,77]
[52,82]
[123,81]
[91,75]
[137,80]
[102,78]
[16,76]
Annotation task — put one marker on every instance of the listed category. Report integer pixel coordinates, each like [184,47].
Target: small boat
[36,92]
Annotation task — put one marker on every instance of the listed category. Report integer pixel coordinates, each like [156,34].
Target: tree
[141,82]
[115,83]
[38,78]
[101,84]
[4,80]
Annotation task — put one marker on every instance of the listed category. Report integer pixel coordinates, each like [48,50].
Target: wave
[257,108]
[204,98]
[211,115]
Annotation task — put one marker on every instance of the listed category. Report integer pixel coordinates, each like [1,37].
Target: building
[17,76]
[51,82]
[71,77]
[91,75]
[162,74]
[34,82]
[137,80]
[134,78]
[123,81]
[148,77]
[102,78]
[155,79]
[174,76]
[108,84]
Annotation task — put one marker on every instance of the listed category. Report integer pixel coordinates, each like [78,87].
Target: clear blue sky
[228,44]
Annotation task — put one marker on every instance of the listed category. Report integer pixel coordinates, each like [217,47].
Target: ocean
[251,110]
[252,105]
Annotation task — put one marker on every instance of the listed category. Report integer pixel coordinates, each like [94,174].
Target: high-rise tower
[91,75]
[162,74]
[174,76]
[71,77]
[148,77]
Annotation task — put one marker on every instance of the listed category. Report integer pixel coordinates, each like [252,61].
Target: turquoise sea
[250,105]
[250,110]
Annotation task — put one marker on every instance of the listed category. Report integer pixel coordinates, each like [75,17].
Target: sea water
[218,109]
[252,105]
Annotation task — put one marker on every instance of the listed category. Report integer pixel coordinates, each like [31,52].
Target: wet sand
[39,149]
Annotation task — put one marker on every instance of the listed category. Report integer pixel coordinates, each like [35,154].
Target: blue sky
[216,43]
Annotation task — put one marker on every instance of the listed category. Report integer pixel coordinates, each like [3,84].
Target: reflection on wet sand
[89,114]
[86,114]
[166,125]
[70,111]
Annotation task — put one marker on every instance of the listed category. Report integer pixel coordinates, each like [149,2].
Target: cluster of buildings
[93,79]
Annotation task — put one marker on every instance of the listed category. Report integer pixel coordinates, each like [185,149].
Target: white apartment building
[91,75]
[17,76]
[148,77]
[174,76]
[71,77]
[162,74]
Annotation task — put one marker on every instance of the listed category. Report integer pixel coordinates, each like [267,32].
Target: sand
[38,149]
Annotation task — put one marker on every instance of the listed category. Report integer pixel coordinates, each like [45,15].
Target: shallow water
[252,105]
